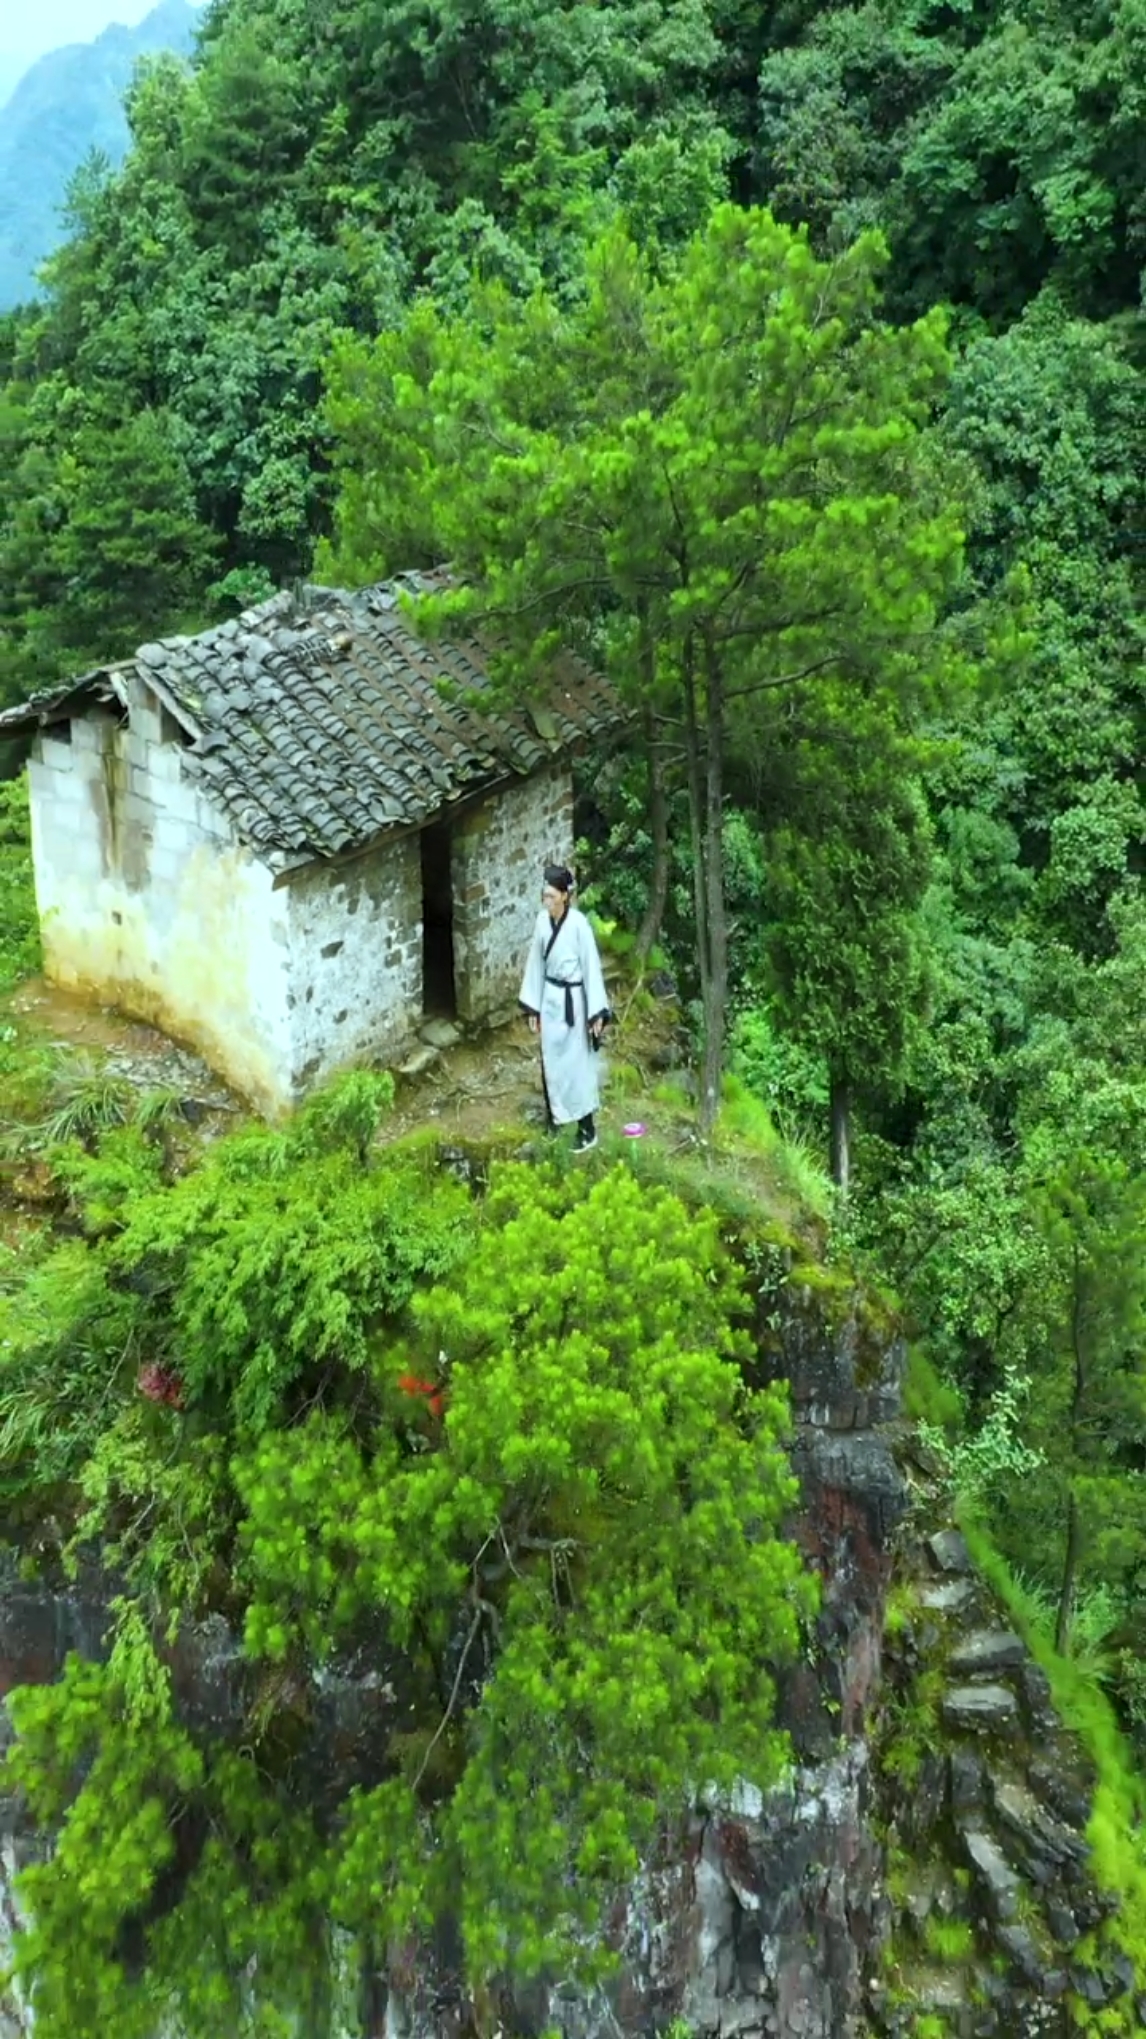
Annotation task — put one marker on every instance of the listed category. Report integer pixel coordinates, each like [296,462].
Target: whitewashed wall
[147,903]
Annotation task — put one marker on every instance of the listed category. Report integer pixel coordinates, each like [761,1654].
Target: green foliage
[132,545]
[1097,1615]
[799,1170]
[901,1609]
[949,1941]
[248,1287]
[997,143]
[783,1074]
[265,1275]
[560,1502]
[302,178]
[19,926]
[1119,1805]
[928,1398]
[99,534]
[599,1453]
[994,1453]
[930,907]
[909,1726]
[125,1163]
[344,1113]
[132,1759]
[160,1506]
[27,1070]
[607,475]
[1052,413]
[847,873]
[86,1100]
[66,1343]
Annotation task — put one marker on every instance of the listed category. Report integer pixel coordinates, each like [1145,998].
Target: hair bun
[559,877]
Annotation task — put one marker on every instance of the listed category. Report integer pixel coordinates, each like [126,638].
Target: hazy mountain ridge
[68,103]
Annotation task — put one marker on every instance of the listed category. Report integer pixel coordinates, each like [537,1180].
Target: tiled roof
[317,722]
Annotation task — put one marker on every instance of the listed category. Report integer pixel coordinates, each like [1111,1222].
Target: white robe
[569,959]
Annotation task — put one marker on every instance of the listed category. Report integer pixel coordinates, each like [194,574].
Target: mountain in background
[12,70]
[69,103]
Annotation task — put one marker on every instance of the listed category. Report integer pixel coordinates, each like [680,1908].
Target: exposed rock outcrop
[997,1927]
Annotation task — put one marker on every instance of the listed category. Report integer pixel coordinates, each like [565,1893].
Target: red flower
[434,1397]
[160,1384]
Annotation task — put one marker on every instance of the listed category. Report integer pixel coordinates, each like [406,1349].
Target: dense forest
[790,361]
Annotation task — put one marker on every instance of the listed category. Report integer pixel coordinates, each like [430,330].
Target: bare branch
[807,672]
[447,1716]
[775,628]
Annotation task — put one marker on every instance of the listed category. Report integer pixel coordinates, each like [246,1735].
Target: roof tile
[320,726]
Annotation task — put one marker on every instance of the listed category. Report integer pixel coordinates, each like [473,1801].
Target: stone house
[287,845]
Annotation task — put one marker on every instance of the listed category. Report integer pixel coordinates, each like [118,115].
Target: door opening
[439,997]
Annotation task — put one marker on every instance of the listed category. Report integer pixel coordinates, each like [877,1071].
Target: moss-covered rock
[1011,1863]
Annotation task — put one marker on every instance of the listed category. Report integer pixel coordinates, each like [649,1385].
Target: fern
[66,1341]
[87,1099]
[156,1108]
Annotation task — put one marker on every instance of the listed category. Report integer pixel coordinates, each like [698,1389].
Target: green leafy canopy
[551,1502]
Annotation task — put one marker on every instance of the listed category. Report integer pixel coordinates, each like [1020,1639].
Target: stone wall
[995,1925]
[355,959]
[500,848]
[146,902]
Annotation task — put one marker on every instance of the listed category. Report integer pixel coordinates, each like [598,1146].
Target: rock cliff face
[994,1921]
[922,1871]
[771,1918]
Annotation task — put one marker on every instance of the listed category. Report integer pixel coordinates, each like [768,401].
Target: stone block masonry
[356,928]
[355,959]
[500,849]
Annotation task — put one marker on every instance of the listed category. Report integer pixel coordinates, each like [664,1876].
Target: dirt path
[74,1025]
[472,1088]
[468,1091]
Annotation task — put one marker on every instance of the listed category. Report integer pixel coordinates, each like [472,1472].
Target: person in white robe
[564,998]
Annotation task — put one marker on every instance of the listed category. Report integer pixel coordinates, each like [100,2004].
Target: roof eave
[58,704]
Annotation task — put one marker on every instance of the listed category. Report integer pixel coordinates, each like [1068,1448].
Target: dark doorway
[439,1000]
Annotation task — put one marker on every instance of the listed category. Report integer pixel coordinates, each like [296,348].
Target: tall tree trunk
[716,991]
[696,808]
[1069,1588]
[1072,1557]
[696,779]
[654,913]
[840,1107]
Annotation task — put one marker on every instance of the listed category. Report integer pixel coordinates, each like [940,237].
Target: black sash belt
[568,989]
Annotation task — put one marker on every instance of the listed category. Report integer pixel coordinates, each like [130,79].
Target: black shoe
[585,1141]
